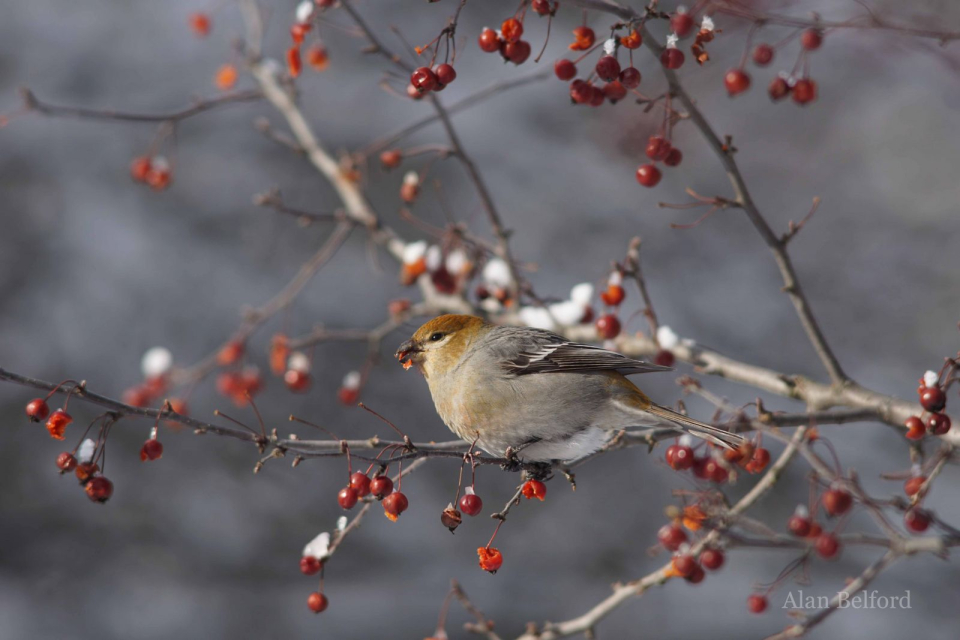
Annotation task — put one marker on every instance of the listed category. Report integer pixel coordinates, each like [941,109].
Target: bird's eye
[436,336]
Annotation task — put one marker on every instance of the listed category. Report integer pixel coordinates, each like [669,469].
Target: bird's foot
[511,462]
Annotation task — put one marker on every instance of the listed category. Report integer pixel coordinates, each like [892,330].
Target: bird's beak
[406,352]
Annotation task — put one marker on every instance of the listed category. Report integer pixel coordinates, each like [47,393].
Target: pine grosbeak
[533,393]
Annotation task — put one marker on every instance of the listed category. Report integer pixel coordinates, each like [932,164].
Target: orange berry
[226,77]
[139,168]
[317,57]
[294,65]
[534,489]
[490,559]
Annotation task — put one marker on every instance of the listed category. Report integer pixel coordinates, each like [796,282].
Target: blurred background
[95,269]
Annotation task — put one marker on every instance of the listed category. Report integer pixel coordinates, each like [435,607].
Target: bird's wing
[524,350]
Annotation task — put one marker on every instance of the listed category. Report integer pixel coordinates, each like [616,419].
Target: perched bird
[533,393]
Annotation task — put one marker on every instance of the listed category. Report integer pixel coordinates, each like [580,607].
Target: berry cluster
[933,399]
[802,89]
[83,459]
[507,42]
[448,268]
[425,79]
[683,564]
[153,171]
[714,465]
[317,56]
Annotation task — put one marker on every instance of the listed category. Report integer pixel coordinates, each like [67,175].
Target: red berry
[580,91]
[648,175]
[471,504]
[811,39]
[815,531]
[756,603]
[395,504]
[360,483]
[912,486]
[516,52]
[99,489]
[608,68]
[57,424]
[827,545]
[630,78]
[565,69]
[489,41]
[140,168]
[541,7]
[309,565]
[608,326]
[296,380]
[596,96]
[804,91]
[424,79]
[381,487]
[762,55]
[711,559]
[446,74]
[152,449]
[916,520]
[681,458]
[696,576]
[799,526]
[66,461]
[511,29]
[700,468]
[614,91]
[778,89]
[682,24]
[658,148]
[715,471]
[938,423]
[673,158]
[391,158]
[672,58]
[348,497]
[671,537]
[736,81]
[665,358]
[684,564]
[317,602]
[200,24]
[933,399]
[490,559]
[915,428]
[837,502]
[37,410]
[348,395]
[534,489]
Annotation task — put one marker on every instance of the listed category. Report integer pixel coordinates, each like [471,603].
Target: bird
[532,394]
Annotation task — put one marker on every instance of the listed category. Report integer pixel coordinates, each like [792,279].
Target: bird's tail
[696,428]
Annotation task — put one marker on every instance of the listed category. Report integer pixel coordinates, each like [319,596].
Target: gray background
[95,269]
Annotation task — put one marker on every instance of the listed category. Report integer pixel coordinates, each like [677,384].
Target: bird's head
[441,342]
